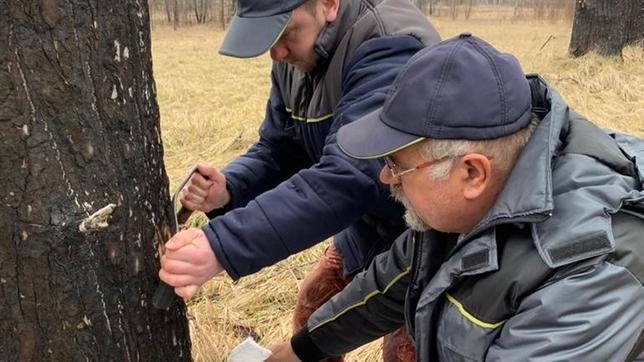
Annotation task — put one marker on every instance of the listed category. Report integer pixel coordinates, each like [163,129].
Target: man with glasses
[525,222]
[333,61]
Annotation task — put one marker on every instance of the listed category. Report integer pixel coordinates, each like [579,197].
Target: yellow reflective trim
[364,300]
[308,120]
[383,154]
[470,317]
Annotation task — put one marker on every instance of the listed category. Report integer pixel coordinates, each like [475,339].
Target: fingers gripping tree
[84,196]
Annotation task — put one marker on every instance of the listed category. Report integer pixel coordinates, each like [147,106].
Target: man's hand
[282,353]
[205,191]
[188,262]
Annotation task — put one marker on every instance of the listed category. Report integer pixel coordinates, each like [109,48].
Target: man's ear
[476,175]
[331,8]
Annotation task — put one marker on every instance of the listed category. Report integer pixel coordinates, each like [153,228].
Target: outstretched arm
[374,300]
[325,198]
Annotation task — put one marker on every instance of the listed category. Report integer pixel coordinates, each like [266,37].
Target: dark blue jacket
[294,187]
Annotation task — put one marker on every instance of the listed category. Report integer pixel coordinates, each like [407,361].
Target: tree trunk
[175,12]
[168,12]
[201,10]
[606,26]
[469,4]
[635,33]
[79,133]
[453,9]
[222,14]
[204,10]
[197,11]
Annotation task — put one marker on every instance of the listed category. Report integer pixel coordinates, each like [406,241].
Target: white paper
[249,351]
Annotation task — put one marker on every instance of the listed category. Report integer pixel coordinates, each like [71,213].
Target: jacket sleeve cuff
[222,210]
[304,347]
[217,249]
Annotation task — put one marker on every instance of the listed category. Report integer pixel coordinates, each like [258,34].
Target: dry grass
[211,107]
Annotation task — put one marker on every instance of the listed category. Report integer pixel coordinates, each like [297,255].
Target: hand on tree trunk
[205,191]
[188,262]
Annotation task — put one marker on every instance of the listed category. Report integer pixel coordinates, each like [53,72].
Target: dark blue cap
[256,26]
[461,88]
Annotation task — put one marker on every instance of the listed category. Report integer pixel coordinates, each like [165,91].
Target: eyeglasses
[391,165]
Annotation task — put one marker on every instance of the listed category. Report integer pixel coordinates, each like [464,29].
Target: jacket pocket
[462,336]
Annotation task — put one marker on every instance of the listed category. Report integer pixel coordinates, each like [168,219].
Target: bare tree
[222,14]
[469,4]
[606,26]
[168,11]
[201,10]
[518,6]
[432,6]
[453,8]
[175,13]
[84,197]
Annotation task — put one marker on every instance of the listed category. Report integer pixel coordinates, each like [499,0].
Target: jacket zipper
[414,273]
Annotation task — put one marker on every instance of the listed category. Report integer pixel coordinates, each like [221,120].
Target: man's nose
[279,52]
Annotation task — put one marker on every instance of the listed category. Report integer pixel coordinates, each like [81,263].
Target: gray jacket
[553,272]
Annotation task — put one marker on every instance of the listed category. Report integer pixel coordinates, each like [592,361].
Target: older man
[526,222]
[333,62]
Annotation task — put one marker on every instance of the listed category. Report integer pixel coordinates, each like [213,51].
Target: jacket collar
[332,33]
[566,200]
[527,195]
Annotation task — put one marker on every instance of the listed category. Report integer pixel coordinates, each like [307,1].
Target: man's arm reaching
[321,200]
[374,301]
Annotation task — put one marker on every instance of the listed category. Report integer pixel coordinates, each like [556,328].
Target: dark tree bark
[635,33]
[79,132]
[606,26]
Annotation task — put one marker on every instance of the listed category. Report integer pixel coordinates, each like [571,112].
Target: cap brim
[251,37]
[369,137]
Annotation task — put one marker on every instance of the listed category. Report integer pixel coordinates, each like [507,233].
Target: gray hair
[504,150]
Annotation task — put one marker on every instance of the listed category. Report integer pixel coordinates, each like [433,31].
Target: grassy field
[211,107]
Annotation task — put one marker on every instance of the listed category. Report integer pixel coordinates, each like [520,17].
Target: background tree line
[512,9]
[187,12]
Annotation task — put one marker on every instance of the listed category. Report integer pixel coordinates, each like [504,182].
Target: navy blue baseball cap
[460,88]
[256,26]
